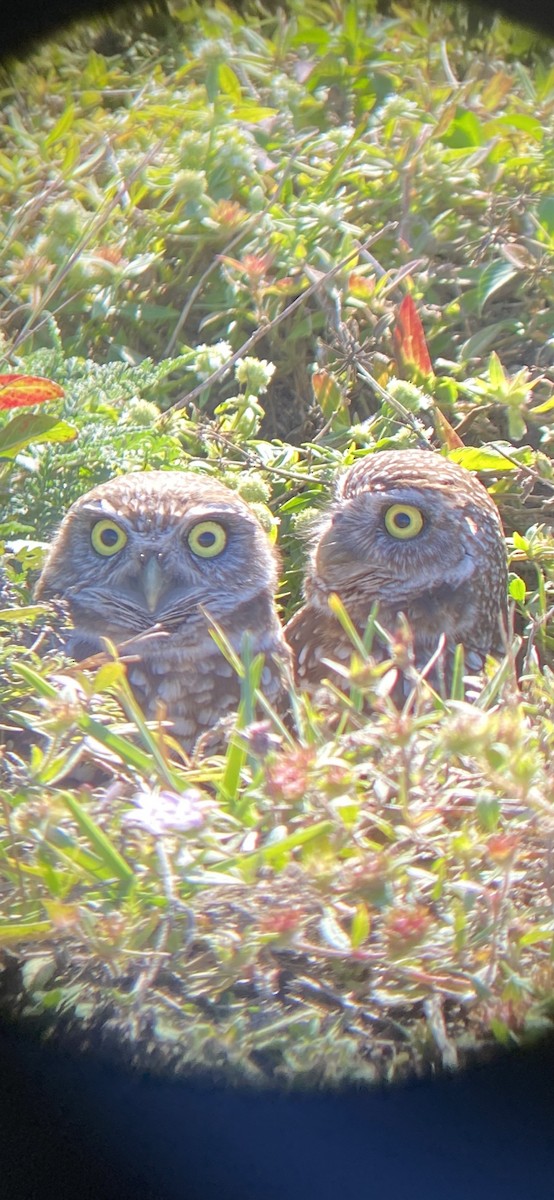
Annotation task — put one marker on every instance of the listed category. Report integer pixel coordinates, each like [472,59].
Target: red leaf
[18,391]
[409,338]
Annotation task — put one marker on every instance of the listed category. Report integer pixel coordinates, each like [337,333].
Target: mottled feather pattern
[174,665]
[449,578]
[155,592]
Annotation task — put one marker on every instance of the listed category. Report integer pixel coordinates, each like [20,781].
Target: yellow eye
[207,539]
[107,538]
[403,521]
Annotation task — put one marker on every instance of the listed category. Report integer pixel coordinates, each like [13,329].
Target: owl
[149,560]
[422,537]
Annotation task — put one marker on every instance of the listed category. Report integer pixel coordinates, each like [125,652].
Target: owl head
[153,549]
[404,523]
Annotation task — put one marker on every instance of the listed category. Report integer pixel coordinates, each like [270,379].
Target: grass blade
[108,854]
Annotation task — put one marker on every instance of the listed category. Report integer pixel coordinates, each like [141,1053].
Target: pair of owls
[152,560]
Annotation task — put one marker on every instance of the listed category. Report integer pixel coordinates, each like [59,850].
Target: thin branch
[264,329]
[245,228]
[97,220]
[406,416]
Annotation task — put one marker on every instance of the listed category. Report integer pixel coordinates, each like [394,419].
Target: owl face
[404,523]
[153,549]
[150,561]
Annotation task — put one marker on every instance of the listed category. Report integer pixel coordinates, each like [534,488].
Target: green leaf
[516,425]
[33,427]
[252,113]
[547,406]
[494,685]
[307,500]
[235,759]
[274,850]
[229,82]
[517,590]
[62,126]
[545,214]
[76,863]
[59,767]
[350,23]
[502,1032]
[464,132]
[488,812]
[492,279]
[530,125]
[458,668]
[536,934]
[223,644]
[30,612]
[109,676]
[339,611]
[107,853]
[125,750]
[487,459]
[25,931]
[359,929]
[497,374]
[41,686]
[327,393]
[477,345]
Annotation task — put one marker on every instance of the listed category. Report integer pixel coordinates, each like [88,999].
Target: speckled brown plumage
[154,596]
[447,578]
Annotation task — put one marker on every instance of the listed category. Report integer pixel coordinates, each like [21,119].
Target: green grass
[206,232]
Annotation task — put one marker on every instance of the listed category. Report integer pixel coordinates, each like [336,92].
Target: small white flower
[211,358]
[163,812]
[255,374]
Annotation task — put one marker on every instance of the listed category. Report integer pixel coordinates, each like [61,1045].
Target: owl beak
[154,583]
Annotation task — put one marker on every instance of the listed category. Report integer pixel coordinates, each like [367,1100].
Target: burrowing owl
[146,560]
[421,536]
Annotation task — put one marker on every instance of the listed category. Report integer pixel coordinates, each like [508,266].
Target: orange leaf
[446,432]
[409,338]
[499,86]
[18,391]
[326,389]
[361,286]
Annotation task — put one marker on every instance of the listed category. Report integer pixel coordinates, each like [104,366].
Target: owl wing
[313,637]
